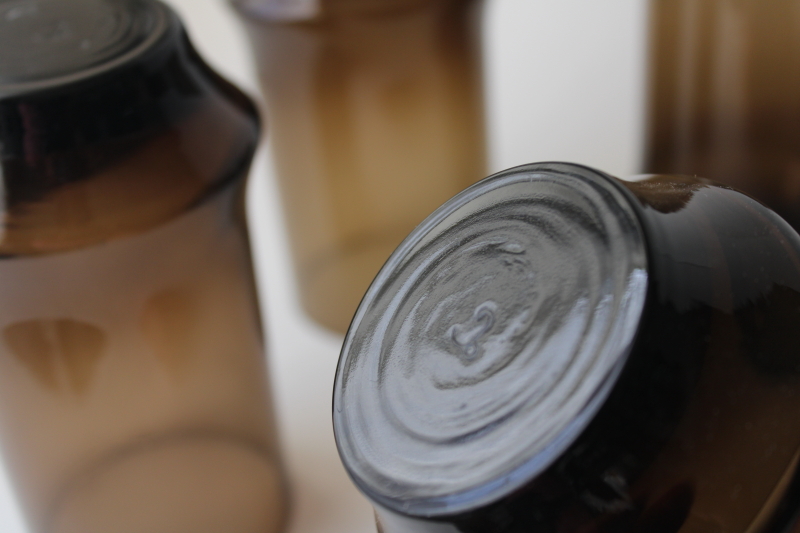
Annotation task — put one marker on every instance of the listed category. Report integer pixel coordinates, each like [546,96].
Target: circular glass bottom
[490,339]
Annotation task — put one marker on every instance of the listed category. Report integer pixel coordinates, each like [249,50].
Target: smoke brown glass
[724,95]
[133,387]
[618,357]
[376,118]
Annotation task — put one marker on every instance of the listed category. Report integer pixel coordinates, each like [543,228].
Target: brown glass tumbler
[724,96]
[133,391]
[555,350]
[376,118]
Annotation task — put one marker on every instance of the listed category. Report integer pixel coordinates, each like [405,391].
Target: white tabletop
[564,82]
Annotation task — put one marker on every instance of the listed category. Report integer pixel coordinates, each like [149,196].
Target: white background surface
[564,82]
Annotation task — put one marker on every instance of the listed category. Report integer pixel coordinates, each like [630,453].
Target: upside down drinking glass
[133,388]
[376,118]
[558,350]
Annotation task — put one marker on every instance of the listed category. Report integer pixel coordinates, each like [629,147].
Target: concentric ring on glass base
[490,339]
[48,43]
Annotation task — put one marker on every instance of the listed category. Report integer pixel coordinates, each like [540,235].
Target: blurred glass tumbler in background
[375,112]
[556,350]
[724,96]
[133,393]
